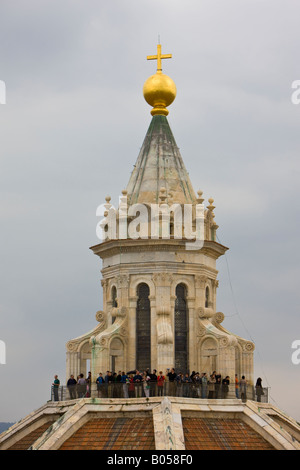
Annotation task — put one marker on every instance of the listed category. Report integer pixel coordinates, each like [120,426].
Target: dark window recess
[143,328]
[114,301]
[181,331]
[207,297]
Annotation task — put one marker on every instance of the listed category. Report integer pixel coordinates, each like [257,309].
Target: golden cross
[159,57]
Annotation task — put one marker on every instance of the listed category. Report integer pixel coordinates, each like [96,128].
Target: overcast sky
[70,133]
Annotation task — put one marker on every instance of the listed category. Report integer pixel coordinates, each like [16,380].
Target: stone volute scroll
[219,317]
[100,316]
[205,312]
[120,313]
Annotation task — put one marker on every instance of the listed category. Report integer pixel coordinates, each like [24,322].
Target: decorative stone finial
[200,199]
[163,195]
[211,207]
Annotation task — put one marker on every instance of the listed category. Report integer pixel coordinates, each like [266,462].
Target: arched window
[207,297]
[181,330]
[143,328]
[114,302]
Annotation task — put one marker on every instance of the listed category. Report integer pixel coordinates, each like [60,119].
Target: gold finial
[159,57]
[159,90]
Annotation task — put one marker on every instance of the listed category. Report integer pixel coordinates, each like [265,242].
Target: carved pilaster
[162,279]
[200,281]
[123,281]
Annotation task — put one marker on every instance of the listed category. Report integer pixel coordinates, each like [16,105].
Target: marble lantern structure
[160,298]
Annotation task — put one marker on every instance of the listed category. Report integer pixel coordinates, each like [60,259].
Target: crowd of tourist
[135,384]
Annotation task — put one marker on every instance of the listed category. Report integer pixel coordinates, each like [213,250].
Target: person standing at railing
[81,386]
[118,385]
[187,382]
[71,384]
[193,385]
[204,385]
[218,384]
[225,387]
[88,381]
[243,388]
[146,384]
[115,386]
[160,384]
[153,383]
[56,385]
[124,384]
[108,384]
[138,384]
[179,384]
[131,389]
[166,385]
[236,386]
[259,389]
[172,376]
[211,386]
[198,383]
[100,385]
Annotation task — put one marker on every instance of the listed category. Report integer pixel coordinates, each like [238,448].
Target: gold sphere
[159,91]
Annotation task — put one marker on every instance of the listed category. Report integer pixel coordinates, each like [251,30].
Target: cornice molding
[113,247]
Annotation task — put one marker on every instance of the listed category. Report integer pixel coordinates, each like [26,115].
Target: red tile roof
[221,434]
[29,439]
[113,434]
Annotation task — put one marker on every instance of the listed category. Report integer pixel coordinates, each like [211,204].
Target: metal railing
[152,389]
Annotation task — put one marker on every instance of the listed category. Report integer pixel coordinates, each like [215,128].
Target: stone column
[215,285]
[104,285]
[109,307]
[73,360]
[247,362]
[100,357]
[227,360]
[123,286]
[200,282]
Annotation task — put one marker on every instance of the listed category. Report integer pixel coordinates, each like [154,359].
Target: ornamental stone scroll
[100,316]
[72,346]
[163,326]
[227,341]
[248,346]
[219,317]
[119,312]
[204,312]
